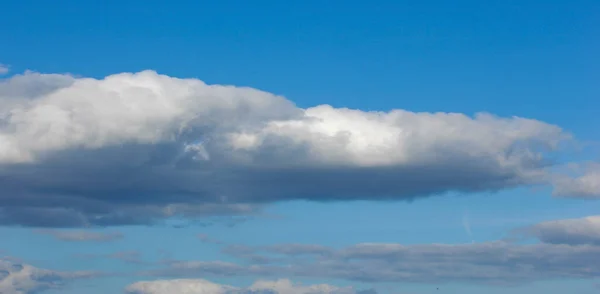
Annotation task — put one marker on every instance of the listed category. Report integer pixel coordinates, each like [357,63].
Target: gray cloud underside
[139,148]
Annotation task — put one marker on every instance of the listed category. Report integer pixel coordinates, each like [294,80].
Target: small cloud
[207,239]
[125,256]
[4,69]
[82,236]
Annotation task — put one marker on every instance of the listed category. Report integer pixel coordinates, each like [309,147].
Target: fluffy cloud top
[17,278]
[135,148]
[198,286]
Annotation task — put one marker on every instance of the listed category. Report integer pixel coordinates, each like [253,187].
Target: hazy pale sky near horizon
[407,147]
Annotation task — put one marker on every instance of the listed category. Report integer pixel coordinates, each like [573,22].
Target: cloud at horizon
[490,263]
[20,278]
[200,286]
[564,249]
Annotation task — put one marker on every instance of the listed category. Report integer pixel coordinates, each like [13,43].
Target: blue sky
[104,162]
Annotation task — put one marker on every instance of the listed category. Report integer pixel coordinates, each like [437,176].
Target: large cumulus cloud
[135,148]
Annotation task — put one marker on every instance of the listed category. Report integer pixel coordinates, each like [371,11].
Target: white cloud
[138,147]
[199,286]
[17,278]
[143,108]
[358,138]
[4,69]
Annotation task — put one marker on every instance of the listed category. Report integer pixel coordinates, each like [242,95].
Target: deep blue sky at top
[524,58]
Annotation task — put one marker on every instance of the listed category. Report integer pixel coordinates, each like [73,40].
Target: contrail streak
[467,227]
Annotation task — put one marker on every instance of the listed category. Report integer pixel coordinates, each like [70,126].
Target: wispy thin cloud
[82,236]
[207,239]
[134,257]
